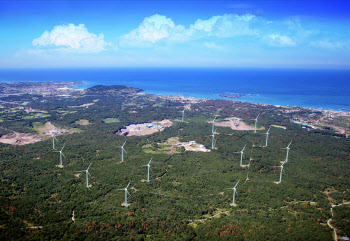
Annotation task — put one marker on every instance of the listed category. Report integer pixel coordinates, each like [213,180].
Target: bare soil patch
[19,139]
[144,128]
[235,124]
[172,144]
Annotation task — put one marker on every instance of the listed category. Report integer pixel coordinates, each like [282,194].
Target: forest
[187,197]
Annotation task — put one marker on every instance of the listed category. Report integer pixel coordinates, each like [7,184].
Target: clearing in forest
[235,124]
[172,146]
[144,128]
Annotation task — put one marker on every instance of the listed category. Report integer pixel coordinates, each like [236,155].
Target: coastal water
[324,89]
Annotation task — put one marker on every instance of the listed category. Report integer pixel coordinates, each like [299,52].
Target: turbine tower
[183,115]
[241,154]
[149,168]
[123,150]
[287,148]
[126,194]
[212,127]
[256,121]
[281,166]
[234,193]
[61,154]
[53,141]
[267,135]
[212,140]
[87,175]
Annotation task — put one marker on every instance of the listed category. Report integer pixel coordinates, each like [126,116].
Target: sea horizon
[309,88]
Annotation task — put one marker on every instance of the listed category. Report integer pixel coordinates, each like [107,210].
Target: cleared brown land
[235,124]
[144,128]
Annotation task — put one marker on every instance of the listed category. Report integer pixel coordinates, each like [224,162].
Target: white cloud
[71,38]
[227,25]
[153,29]
[280,40]
[158,27]
[213,45]
[326,44]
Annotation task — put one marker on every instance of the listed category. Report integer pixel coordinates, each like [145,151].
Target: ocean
[321,89]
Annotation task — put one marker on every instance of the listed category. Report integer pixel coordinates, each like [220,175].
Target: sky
[230,34]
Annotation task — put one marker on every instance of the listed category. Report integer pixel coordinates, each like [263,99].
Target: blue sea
[322,89]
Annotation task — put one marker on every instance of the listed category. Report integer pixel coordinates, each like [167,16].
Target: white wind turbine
[267,135]
[281,166]
[126,194]
[61,154]
[183,114]
[241,154]
[212,140]
[149,168]
[123,150]
[87,175]
[53,141]
[256,121]
[234,193]
[287,148]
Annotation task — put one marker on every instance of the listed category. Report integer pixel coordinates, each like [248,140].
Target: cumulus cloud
[71,38]
[280,40]
[153,29]
[227,25]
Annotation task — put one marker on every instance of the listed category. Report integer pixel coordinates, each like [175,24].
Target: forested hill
[112,89]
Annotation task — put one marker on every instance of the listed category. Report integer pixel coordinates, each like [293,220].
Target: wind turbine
[267,135]
[281,166]
[61,154]
[149,168]
[53,141]
[256,121]
[212,140]
[287,148]
[126,194]
[241,154]
[123,150]
[234,193]
[183,114]
[87,175]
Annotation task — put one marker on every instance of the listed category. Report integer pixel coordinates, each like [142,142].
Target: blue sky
[263,34]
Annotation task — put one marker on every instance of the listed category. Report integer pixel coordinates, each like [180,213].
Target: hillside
[187,197]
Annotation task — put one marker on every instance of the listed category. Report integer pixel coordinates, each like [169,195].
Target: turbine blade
[55,138]
[63,147]
[124,143]
[63,155]
[89,166]
[229,188]
[289,144]
[150,161]
[128,193]
[244,148]
[121,189]
[79,171]
[236,184]
[128,184]
[124,150]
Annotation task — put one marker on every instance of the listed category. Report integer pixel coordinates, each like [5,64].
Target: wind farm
[181,188]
